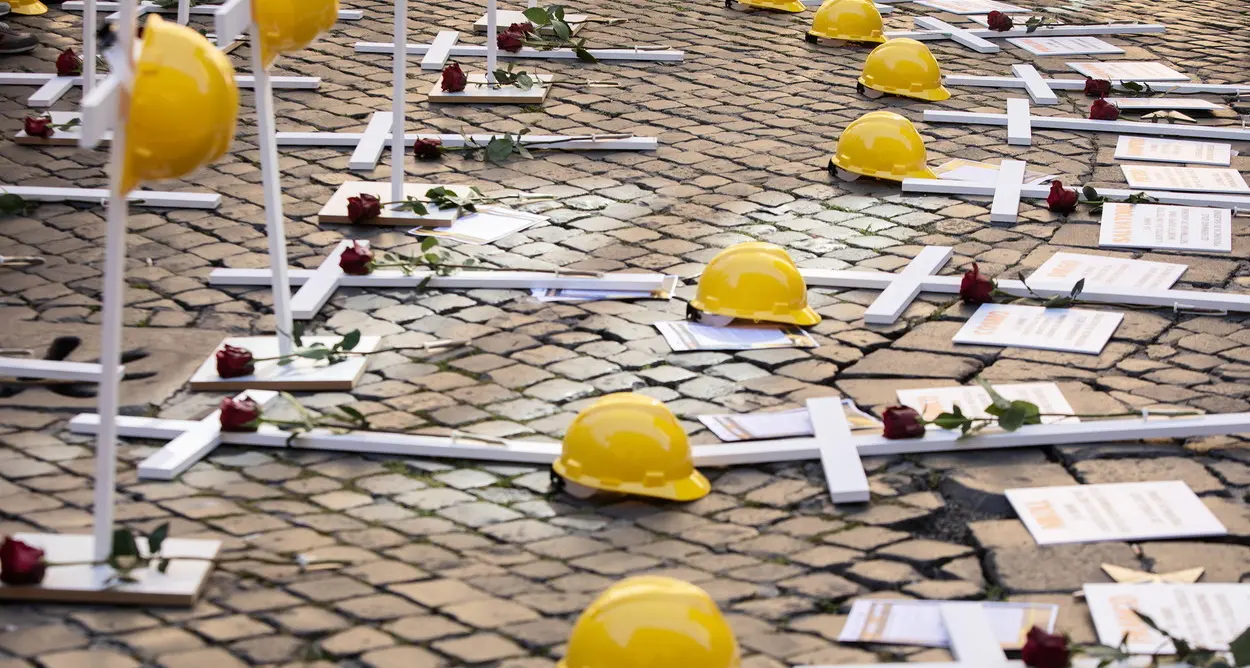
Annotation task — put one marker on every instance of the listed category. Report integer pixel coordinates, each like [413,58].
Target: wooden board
[506,17]
[302,375]
[479,92]
[68,137]
[335,210]
[180,585]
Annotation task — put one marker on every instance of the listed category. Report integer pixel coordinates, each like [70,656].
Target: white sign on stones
[1064,329]
[1026,122]
[905,622]
[1064,46]
[971,637]
[984,172]
[1152,149]
[1185,179]
[1128,511]
[1128,70]
[1061,271]
[1183,228]
[1208,615]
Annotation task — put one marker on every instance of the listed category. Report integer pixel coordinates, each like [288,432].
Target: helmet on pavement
[904,67]
[883,145]
[851,20]
[286,26]
[755,281]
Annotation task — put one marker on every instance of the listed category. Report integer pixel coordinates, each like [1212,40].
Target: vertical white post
[89,22]
[399,98]
[184,12]
[271,182]
[492,43]
[114,297]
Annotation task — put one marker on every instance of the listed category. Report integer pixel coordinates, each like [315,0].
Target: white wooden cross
[183,6]
[1005,194]
[638,53]
[1018,117]
[1042,90]
[25,367]
[52,87]
[976,38]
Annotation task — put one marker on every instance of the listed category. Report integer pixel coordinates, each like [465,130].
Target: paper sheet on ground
[903,622]
[557,295]
[1128,70]
[486,226]
[1063,270]
[1064,46]
[972,6]
[1208,615]
[684,336]
[1186,228]
[1184,103]
[1111,512]
[973,400]
[1067,330]
[1154,149]
[778,424]
[1185,179]
[982,172]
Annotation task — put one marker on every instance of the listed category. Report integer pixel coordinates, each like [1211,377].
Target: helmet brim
[879,39]
[692,487]
[925,173]
[34,9]
[793,6]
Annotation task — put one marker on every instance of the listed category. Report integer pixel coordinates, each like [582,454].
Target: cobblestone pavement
[460,564]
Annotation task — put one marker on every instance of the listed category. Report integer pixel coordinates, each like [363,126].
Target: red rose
[363,207]
[1097,87]
[428,149]
[233,362]
[357,260]
[999,21]
[526,28]
[1045,650]
[1103,110]
[902,422]
[21,564]
[239,414]
[38,126]
[68,64]
[454,78]
[510,41]
[975,288]
[1061,200]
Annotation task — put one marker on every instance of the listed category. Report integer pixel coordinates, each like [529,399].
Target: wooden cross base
[478,91]
[302,375]
[335,210]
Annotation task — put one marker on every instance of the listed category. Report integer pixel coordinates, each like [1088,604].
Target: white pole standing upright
[184,12]
[271,182]
[399,98]
[88,47]
[492,45]
[114,297]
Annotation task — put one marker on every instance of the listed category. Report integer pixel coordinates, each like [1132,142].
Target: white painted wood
[99,112]
[1090,125]
[285,83]
[301,375]
[203,10]
[1168,87]
[52,87]
[478,51]
[1036,86]
[967,38]
[193,444]
[231,20]
[844,472]
[89,50]
[440,50]
[1006,206]
[467,280]
[50,92]
[972,639]
[153,198]
[907,285]
[1190,104]
[481,90]
[369,151]
[1044,31]
[399,98]
[952,187]
[948,664]
[492,43]
[1019,129]
[20,367]
[321,285]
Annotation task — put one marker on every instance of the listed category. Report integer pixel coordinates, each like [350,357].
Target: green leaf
[11,204]
[524,82]
[1090,193]
[557,12]
[1240,648]
[562,30]
[952,420]
[315,353]
[524,152]
[1011,419]
[157,539]
[433,258]
[538,16]
[297,334]
[1077,288]
[428,243]
[350,339]
[995,397]
[353,413]
[499,148]
[584,55]
[162,566]
[124,544]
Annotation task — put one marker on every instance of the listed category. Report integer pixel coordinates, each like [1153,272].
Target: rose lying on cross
[1063,200]
[365,206]
[1055,650]
[974,288]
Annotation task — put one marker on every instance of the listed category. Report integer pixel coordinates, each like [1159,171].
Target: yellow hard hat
[755,281]
[183,106]
[792,6]
[631,443]
[286,26]
[28,7]
[904,67]
[883,145]
[851,20]
[652,622]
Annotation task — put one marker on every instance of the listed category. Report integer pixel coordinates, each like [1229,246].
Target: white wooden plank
[50,92]
[152,198]
[202,10]
[1044,31]
[952,187]
[392,278]
[19,367]
[318,289]
[99,112]
[844,472]
[196,441]
[1006,206]
[967,38]
[477,51]
[905,287]
[369,151]
[440,50]
[1019,131]
[1168,87]
[293,83]
[613,142]
[972,639]
[1091,125]
[1036,86]
[231,20]
[948,664]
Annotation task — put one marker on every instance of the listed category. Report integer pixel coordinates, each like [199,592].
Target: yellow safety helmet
[755,281]
[183,106]
[652,622]
[631,443]
[883,145]
[286,26]
[904,67]
[28,7]
[792,6]
[851,20]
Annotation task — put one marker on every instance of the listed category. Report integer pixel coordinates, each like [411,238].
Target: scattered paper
[685,336]
[1207,615]
[1066,330]
[1173,150]
[973,400]
[563,295]
[1128,70]
[903,622]
[1064,46]
[972,6]
[1191,104]
[982,172]
[1063,270]
[1185,179]
[487,225]
[1113,512]
[1187,228]
[779,424]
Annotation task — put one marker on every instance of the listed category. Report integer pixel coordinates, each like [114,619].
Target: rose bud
[21,564]
[239,414]
[999,22]
[363,207]
[428,149]
[233,362]
[357,260]
[975,288]
[68,64]
[1097,87]
[1061,200]
[526,28]
[454,78]
[1045,650]
[510,41]
[1103,110]
[38,126]
[902,422]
